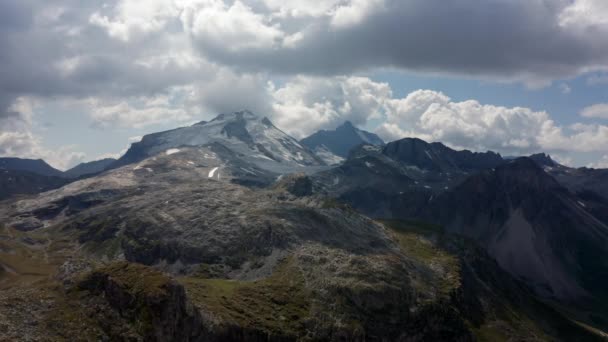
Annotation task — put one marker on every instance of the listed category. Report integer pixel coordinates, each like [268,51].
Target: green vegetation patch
[135,279]
[414,238]
[279,305]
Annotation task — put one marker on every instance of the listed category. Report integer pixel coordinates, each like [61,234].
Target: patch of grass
[490,333]
[135,279]
[278,305]
[413,238]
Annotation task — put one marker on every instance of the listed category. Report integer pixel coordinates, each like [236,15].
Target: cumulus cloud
[17,139]
[599,111]
[600,164]
[149,112]
[469,124]
[307,104]
[434,116]
[530,41]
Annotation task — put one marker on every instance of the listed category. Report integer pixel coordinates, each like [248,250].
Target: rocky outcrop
[153,303]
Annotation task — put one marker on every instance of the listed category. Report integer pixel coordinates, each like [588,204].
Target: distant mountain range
[39,166]
[233,230]
[28,176]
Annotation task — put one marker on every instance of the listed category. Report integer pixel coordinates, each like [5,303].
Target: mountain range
[231,230]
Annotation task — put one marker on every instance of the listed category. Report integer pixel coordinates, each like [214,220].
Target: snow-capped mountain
[254,138]
[334,146]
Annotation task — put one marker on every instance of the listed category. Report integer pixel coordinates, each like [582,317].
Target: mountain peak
[543,159]
[438,157]
[244,132]
[347,124]
[341,140]
[239,115]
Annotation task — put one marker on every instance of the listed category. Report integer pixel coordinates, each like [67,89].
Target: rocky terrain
[203,240]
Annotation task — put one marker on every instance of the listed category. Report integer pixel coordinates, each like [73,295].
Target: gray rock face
[398,180]
[534,227]
[438,157]
[89,168]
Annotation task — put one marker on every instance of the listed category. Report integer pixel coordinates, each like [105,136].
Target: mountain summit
[340,141]
[244,133]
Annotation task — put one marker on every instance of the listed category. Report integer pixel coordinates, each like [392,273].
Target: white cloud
[132,17]
[354,12]
[599,111]
[136,114]
[585,14]
[233,28]
[600,164]
[302,8]
[18,140]
[565,88]
[307,104]
[575,138]
[433,116]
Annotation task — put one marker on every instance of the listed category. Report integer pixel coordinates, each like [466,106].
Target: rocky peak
[438,157]
[253,137]
[543,159]
[341,140]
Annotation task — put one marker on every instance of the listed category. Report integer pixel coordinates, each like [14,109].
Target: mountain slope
[438,157]
[255,139]
[89,168]
[400,179]
[340,141]
[21,182]
[534,227]
[38,166]
[202,258]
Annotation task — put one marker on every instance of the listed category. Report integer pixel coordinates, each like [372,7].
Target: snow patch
[172,151]
[371,148]
[212,172]
[248,171]
[428,154]
[368,164]
[582,204]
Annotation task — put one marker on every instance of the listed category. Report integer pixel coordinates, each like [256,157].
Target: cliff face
[153,303]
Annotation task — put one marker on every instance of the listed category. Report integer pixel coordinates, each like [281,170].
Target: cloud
[564,88]
[600,164]
[599,111]
[434,116]
[215,25]
[307,104]
[18,140]
[534,42]
[469,124]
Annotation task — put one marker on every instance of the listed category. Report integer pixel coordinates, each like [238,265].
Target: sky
[82,80]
